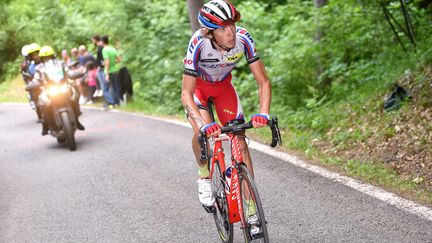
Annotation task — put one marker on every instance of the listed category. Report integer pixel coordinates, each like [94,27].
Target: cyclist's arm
[264,85]
[188,88]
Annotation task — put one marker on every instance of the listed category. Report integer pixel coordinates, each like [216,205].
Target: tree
[193,7]
[318,35]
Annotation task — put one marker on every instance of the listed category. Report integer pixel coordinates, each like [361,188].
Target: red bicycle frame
[233,196]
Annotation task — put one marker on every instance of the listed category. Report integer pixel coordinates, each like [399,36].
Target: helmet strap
[220,45]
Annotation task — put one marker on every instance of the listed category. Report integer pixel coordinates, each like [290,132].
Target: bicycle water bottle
[228,180]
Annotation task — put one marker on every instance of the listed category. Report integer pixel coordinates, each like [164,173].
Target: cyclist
[49,64]
[213,52]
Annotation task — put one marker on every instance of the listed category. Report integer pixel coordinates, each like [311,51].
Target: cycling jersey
[203,60]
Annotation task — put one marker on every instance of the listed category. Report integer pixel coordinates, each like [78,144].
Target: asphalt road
[132,179]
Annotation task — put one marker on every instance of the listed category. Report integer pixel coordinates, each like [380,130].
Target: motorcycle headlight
[55,90]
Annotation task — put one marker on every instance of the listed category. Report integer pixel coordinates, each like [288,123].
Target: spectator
[74,55]
[111,58]
[101,72]
[91,80]
[65,58]
[85,56]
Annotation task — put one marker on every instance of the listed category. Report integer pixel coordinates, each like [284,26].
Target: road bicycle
[234,189]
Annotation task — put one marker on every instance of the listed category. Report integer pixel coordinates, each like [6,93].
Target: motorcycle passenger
[32,52]
[25,64]
[50,62]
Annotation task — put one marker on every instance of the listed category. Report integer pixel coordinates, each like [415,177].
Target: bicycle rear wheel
[220,214]
[251,208]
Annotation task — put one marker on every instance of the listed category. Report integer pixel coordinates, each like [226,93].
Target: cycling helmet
[33,47]
[216,14]
[46,51]
[24,50]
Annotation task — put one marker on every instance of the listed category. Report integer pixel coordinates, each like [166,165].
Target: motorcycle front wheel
[68,130]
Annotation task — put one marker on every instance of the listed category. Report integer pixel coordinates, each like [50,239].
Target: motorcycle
[58,100]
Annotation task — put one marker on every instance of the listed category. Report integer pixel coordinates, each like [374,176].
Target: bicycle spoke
[255,229]
[225,229]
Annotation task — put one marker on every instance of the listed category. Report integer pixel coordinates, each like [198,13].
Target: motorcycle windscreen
[54,71]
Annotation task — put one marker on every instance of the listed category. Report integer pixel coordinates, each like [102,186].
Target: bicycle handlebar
[236,128]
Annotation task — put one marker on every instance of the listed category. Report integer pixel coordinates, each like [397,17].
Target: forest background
[331,64]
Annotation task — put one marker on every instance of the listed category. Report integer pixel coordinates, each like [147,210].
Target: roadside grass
[367,171]
[13,90]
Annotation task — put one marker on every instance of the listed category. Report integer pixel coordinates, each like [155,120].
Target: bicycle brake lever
[276,137]
[202,140]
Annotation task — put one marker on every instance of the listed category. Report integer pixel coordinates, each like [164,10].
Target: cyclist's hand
[260,120]
[211,129]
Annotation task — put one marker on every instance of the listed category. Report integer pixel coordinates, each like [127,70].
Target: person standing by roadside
[110,56]
[74,55]
[91,79]
[65,58]
[109,102]
[85,56]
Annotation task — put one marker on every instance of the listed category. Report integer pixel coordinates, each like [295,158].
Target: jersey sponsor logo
[217,65]
[190,72]
[187,61]
[241,31]
[194,42]
[234,58]
[244,32]
[209,60]
[249,37]
[228,111]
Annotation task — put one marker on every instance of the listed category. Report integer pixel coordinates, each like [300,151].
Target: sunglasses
[232,21]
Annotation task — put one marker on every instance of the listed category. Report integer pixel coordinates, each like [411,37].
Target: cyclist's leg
[228,107]
[205,191]
[201,101]
[195,145]
[246,155]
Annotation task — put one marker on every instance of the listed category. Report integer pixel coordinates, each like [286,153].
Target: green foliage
[330,67]
[355,58]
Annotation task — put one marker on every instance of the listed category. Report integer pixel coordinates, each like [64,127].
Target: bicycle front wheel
[255,228]
[220,214]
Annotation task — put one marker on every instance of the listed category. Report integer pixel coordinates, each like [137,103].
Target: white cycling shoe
[254,222]
[205,193]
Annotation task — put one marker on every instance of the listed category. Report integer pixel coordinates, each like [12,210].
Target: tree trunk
[319,32]
[193,7]
[318,35]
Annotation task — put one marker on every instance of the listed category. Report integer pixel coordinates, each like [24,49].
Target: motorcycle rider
[49,62]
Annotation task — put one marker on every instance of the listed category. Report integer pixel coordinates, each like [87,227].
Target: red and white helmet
[217,13]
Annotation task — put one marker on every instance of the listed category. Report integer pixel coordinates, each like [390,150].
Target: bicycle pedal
[209,209]
[257,236]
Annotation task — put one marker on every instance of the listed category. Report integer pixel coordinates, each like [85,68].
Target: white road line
[373,191]
[388,197]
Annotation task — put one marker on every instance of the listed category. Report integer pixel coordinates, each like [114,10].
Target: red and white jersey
[203,60]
